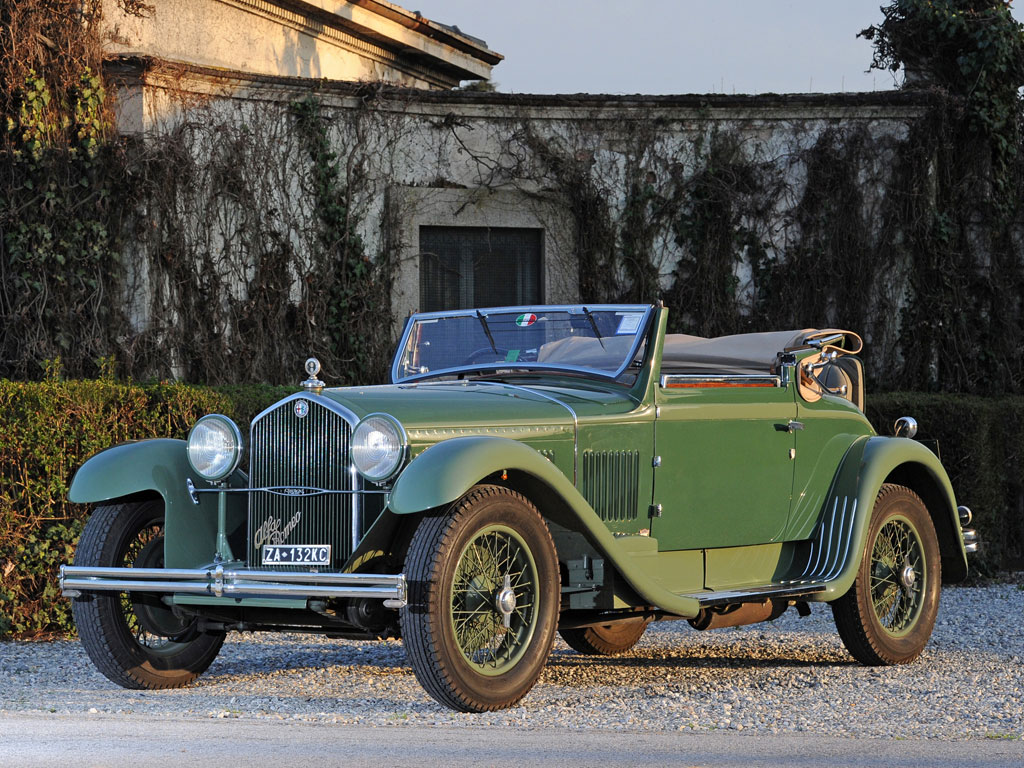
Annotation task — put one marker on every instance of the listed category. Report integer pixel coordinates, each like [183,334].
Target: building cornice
[222,83]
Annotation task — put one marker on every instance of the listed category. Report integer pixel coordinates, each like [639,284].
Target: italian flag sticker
[526,320]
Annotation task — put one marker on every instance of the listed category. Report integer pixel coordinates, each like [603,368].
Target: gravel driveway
[791,675]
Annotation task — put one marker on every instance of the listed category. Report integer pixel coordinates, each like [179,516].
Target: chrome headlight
[214,447]
[378,447]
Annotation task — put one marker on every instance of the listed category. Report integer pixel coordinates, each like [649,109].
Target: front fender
[447,470]
[160,466]
[869,464]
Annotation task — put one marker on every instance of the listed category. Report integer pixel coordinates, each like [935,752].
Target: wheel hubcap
[505,601]
[908,576]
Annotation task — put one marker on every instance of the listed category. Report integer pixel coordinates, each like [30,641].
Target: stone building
[474,198]
[353,40]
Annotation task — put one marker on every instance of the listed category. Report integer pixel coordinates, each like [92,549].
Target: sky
[672,46]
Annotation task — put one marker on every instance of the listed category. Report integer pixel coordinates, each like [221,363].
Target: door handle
[791,426]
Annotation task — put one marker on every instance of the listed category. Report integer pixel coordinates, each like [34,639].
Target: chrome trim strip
[970,539]
[841,560]
[727,379]
[553,399]
[326,402]
[831,539]
[825,340]
[217,581]
[819,545]
[287,490]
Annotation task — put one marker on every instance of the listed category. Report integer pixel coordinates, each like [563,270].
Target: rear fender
[447,470]
[869,463]
[161,466]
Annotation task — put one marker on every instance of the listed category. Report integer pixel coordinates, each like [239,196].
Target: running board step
[710,598]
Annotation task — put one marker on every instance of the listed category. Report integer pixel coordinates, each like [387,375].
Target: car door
[726,448]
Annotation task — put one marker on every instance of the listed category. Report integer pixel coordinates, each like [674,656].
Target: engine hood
[478,407]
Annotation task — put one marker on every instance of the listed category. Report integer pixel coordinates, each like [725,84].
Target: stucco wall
[412,159]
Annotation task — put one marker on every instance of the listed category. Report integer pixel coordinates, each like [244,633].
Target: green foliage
[358,291]
[972,48]
[59,244]
[47,429]
[586,201]
[710,226]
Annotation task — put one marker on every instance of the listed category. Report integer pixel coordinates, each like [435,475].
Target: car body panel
[444,472]
[161,466]
[869,463]
[829,427]
[726,471]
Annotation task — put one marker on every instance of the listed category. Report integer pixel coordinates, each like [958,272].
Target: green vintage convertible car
[528,470]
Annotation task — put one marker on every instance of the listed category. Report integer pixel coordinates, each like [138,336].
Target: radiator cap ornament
[313,384]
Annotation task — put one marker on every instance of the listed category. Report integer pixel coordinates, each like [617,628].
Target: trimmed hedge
[47,429]
[981,443]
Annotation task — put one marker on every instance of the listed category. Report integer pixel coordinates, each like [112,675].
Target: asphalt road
[97,742]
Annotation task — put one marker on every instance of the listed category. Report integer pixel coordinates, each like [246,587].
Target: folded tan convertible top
[743,353]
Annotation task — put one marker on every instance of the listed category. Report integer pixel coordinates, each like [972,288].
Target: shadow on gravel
[376,659]
[567,659]
[300,658]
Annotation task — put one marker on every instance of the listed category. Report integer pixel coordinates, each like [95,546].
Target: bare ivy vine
[231,244]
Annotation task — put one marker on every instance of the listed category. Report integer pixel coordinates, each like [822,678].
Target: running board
[710,598]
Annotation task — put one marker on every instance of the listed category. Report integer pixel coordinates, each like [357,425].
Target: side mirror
[905,426]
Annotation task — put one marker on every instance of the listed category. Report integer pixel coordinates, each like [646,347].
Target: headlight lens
[378,447]
[214,447]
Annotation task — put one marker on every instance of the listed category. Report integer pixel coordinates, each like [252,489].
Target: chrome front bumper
[969,535]
[220,582]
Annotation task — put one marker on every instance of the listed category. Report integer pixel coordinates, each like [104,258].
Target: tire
[133,638]
[605,639]
[888,614]
[484,594]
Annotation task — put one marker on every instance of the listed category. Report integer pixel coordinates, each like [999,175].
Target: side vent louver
[610,483]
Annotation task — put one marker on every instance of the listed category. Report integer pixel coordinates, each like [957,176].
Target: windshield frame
[573,309]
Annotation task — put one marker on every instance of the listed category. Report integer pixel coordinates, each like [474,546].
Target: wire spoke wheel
[483,600]
[145,550]
[897,576]
[493,599]
[888,614]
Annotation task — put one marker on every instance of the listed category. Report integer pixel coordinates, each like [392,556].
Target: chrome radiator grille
[294,453]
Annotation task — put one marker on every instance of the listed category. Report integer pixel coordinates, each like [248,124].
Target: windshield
[596,339]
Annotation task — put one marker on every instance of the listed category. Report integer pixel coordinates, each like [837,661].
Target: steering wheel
[482,354]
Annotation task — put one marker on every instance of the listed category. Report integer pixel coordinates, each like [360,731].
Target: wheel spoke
[897,563]
[493,561]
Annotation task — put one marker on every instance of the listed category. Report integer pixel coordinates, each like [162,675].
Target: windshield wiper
[593,325]
[483,323]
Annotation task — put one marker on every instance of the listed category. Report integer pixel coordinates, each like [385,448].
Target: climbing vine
[230,242]
[961,325]
[357,290]
[61,175]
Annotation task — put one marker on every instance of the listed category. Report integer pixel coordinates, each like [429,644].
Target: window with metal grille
[464,267]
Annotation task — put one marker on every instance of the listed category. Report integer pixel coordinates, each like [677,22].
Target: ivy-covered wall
[248,221]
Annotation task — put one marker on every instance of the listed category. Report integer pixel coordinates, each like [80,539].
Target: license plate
[297,554]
